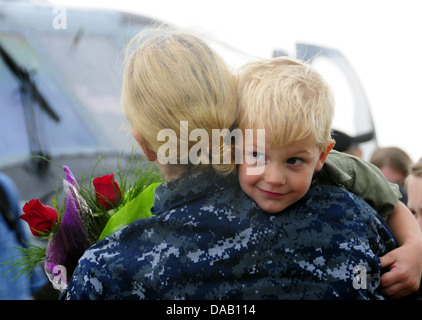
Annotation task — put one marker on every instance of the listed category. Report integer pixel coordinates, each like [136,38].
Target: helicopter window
[91,65]
[23,122]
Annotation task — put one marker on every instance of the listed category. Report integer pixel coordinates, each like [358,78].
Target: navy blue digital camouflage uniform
[208,240]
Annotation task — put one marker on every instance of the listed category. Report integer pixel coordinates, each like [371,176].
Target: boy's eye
[255,157]
[258,156]
[294,161]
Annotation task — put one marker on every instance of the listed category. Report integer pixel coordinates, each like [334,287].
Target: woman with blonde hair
[173,85]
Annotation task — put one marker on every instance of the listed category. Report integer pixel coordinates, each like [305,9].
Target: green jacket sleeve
[361,178]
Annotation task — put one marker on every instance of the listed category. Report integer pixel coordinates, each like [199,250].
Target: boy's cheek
[245,180]
[254,169]
[241,174]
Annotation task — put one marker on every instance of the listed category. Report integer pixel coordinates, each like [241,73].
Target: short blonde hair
[287,98]
[172,76]
[416,169]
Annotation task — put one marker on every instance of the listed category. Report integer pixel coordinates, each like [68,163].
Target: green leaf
[138,208]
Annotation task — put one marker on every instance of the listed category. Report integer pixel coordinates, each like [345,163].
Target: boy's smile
[287,175]
[270,194]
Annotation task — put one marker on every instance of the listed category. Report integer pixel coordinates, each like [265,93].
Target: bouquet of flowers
[89,212]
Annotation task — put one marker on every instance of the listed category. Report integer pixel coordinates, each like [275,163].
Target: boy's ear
[324,154]
[151,156]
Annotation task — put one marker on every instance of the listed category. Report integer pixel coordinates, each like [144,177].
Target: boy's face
[287,175]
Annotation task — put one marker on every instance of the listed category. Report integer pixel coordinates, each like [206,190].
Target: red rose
[39,217]
[107,191]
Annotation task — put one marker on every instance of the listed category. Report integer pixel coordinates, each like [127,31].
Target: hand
[405,271]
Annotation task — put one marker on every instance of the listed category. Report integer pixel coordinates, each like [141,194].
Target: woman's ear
[150,155]
[324,154]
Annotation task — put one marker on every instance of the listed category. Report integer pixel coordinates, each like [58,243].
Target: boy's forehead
[268,142]
[275,133]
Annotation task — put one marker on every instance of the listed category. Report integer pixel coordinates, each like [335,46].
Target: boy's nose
[274,175]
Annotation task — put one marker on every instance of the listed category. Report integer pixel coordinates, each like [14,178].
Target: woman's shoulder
[205,191]
[329,194]
[333,202]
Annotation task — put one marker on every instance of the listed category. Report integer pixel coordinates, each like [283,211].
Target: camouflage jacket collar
[188,188]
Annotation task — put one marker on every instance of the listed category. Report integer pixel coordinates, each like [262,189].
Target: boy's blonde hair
[288,99]
[171,76]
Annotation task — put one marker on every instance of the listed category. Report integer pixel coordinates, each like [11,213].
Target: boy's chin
[271,208]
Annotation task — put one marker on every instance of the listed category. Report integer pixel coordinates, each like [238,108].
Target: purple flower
[70,241]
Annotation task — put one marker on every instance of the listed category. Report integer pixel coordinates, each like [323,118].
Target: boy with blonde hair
[295,106]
